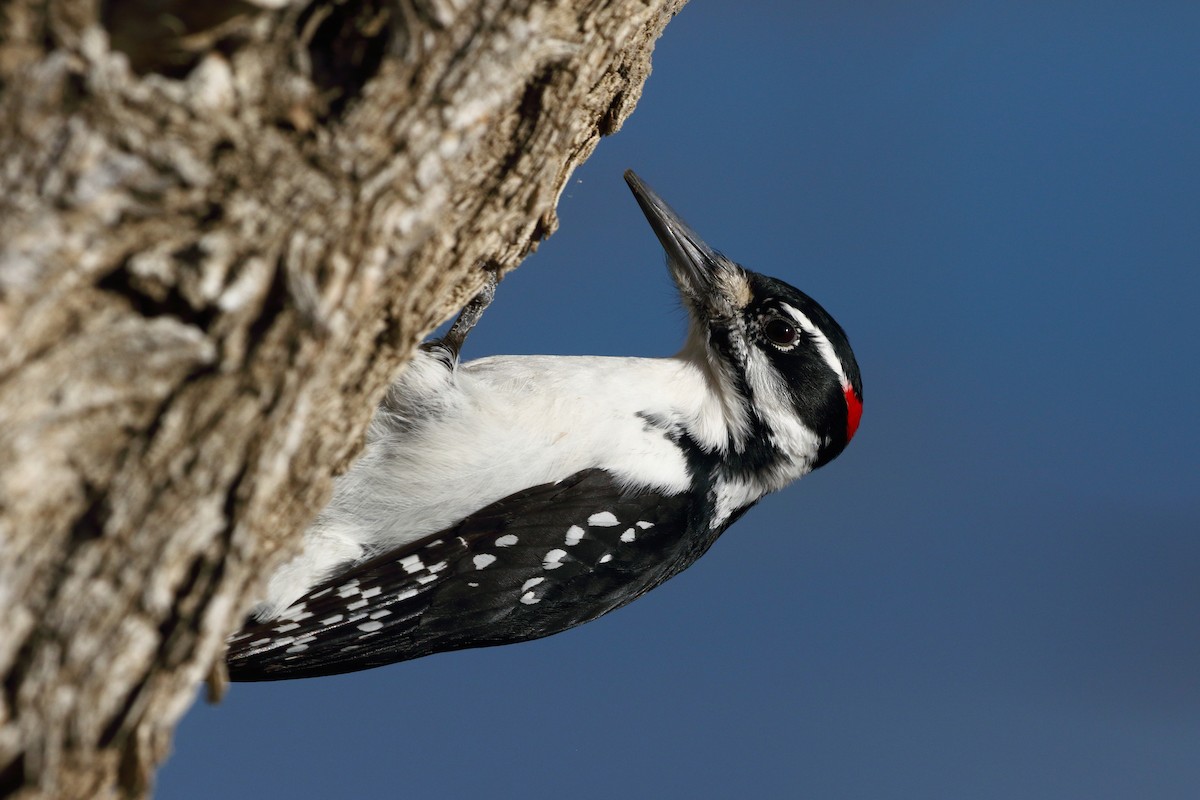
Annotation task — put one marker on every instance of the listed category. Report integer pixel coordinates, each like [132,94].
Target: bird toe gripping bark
[453,341]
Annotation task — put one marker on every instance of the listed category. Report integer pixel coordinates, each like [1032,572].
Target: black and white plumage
[510,498]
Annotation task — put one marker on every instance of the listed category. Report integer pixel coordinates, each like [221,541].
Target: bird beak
[710,283]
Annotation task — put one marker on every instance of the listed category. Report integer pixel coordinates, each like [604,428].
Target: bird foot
[454,339]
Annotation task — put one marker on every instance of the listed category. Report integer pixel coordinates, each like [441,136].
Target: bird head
[782,365]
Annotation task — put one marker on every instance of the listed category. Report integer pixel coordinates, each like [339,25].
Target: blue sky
[993,593]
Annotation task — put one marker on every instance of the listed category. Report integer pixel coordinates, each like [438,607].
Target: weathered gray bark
[223,227]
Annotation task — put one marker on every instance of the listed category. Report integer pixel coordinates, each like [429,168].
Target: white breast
[447,444]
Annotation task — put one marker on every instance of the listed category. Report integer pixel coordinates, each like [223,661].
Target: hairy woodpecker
[513,497]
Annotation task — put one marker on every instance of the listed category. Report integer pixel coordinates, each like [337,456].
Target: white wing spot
[574,535]
[644,525]
[292,614]
[438,567]
[605,519]
[411,564]
[383,612]
[291,626]
[482,560]
[532,582]
[332,620]
[427,579]
[553,559]
[507,540]
[371,592]
[347,589]
[529,598]
[407,593]
[296,648]
[357,604]
[629,535]
[472,584]
[607,557]
[370,625]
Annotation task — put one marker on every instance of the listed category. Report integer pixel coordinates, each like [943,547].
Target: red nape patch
[853,411]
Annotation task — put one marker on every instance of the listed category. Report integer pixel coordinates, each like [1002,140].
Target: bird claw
[471,313]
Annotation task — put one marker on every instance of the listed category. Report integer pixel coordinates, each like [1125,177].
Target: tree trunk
[223,228]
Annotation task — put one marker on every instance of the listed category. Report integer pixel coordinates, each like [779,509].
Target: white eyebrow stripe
[823,345]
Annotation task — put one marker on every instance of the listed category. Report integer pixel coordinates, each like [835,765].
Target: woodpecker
[513,497]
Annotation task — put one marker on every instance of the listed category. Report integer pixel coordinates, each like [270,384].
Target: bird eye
[781,332]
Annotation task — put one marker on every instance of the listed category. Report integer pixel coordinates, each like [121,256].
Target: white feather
[447,443]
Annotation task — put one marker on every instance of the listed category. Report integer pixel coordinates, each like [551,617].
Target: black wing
[535,563]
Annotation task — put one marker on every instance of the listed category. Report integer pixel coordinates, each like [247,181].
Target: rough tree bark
[223,228]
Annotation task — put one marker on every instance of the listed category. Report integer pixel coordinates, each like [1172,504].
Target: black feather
[445,592]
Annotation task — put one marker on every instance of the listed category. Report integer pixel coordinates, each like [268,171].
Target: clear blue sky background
[995,591]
